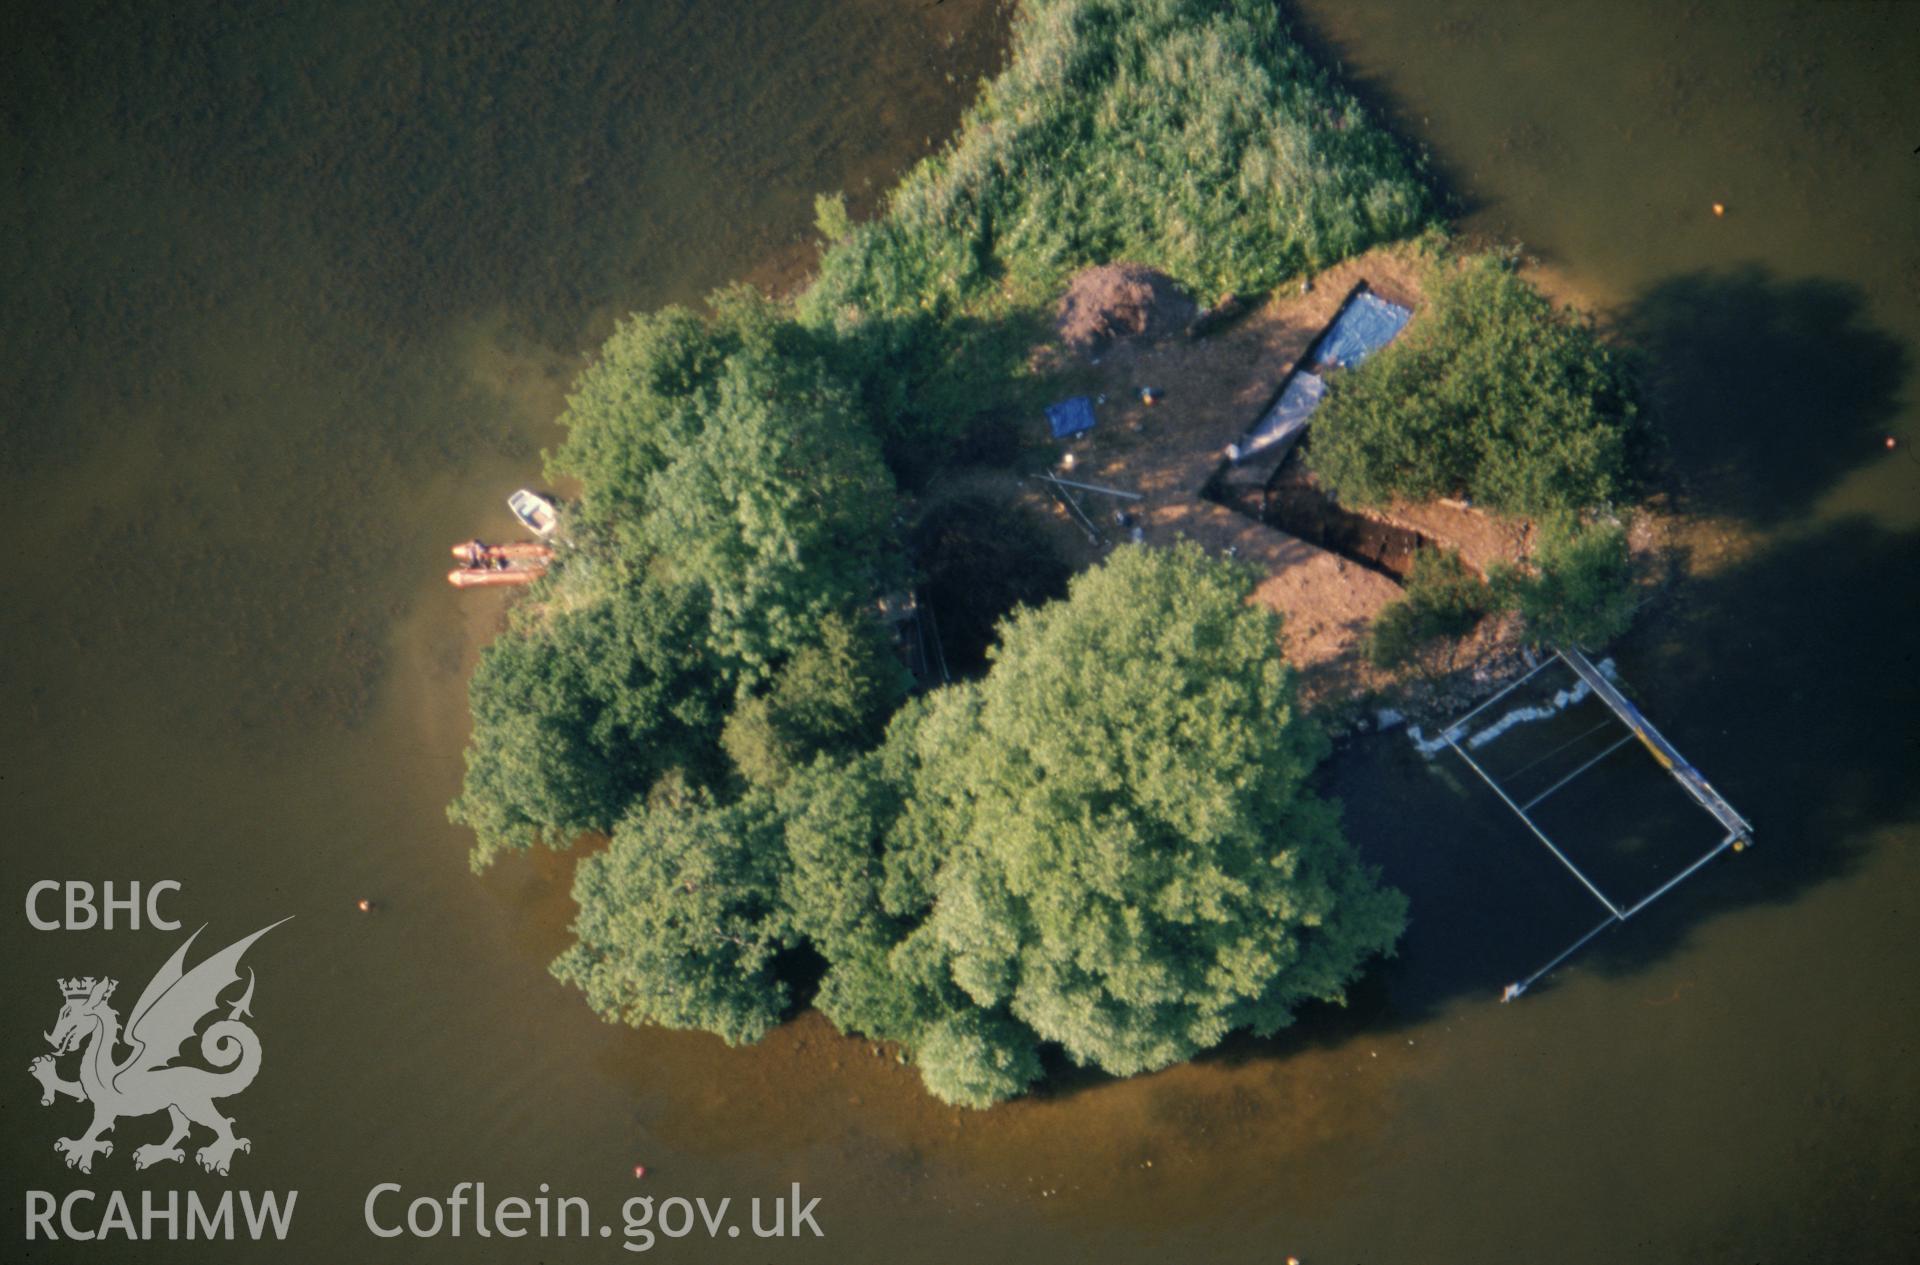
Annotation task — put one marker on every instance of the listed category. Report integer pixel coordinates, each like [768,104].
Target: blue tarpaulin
[1365,325]
[1286,421]
[1070,417]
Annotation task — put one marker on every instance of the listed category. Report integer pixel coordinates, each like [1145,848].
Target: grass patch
[1197,138]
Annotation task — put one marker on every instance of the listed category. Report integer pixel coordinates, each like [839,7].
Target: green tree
[640,404]
[974,1058]
[680,921]
[1579,591]
[1444,601]
[1135,865]
[576,712]
[838,819]
[834,695]
[647,396]
[1491,394]
[781,512]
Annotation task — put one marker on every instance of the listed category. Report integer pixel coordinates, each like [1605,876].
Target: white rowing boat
[535,512]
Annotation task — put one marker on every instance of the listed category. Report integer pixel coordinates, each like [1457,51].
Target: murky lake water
[291,302]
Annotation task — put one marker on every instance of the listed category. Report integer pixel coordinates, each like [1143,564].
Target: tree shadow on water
[1787,677]
[1790,680]
[1766,391]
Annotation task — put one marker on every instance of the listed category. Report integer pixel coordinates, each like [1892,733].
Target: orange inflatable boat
[477,551]
[490,577]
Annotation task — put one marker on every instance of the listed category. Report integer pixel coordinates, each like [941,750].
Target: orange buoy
[1892,443]
[1719,209]
[639,1170]
[364,905]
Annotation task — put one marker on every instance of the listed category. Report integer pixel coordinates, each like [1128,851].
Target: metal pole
[1677,879]
[1537,832]
[1539,760]
[939,647]
[1669,757]
[1577,772]
[1086,524]
[1092,487]
[1515,990]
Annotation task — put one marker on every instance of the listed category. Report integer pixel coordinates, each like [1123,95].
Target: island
[992,739]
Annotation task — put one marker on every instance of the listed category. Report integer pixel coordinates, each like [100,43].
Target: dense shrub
[577,712]
[1579,590]
[1490,394]
[1444,601]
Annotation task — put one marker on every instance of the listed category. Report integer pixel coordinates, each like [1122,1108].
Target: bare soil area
[1121,330]
[1116,301]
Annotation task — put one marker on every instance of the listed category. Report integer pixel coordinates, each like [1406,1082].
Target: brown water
[291,303]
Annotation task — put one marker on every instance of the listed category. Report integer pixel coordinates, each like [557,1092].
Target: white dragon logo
[162,1021]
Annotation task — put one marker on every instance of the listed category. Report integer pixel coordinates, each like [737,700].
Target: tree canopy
[728,452]
[680,921]
[1106,843]
[639,405]
[578,711]
[832,696]
[1136,866]
[780,511]
[734,528]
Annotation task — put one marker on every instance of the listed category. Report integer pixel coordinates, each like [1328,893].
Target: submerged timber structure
[1592,682]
